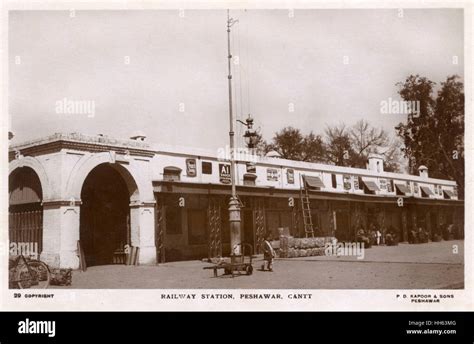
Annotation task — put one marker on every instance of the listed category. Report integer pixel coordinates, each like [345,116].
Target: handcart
[238,262]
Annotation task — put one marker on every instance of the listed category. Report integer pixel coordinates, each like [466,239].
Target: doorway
[104,216]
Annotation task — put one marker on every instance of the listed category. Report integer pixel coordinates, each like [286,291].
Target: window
[334,181]
[173,220]
[360,182]
[383,184]
[206,167]
[172,174]
[197,226]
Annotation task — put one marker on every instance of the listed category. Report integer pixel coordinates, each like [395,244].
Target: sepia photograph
[236,148]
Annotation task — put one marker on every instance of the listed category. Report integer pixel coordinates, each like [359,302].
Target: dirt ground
[423,266]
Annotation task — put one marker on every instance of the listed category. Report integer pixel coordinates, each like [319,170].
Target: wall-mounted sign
[356,183]
[272,174]
[390,186]
[251,168]
[347,182]
[415,187]
[191,167]
[290,176]
[224,173]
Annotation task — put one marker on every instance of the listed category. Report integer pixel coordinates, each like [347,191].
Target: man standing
[268,254]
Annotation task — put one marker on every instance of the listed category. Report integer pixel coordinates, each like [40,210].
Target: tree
[393,154]
[291,144]
[366,139]
[435,136]
[339,149]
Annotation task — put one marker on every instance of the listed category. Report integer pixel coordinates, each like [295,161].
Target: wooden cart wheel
[249,270]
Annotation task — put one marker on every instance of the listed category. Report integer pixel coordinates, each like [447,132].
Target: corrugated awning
[371,185]
[402,188]
[313,182]
[172,170]
[250,176]
[448,193]
[426,190]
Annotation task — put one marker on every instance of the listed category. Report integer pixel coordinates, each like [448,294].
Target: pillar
[61,221]
[142,225]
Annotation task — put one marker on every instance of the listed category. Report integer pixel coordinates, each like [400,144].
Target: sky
[164,72]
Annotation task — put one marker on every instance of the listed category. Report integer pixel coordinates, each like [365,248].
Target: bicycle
[25,272]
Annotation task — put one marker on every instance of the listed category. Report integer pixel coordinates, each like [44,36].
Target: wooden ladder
[306,209]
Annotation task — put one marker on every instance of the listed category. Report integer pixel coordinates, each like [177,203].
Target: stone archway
[25,211]
[105,215]
[140,232]
[39,170]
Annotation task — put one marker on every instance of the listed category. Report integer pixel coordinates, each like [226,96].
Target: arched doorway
[105,215]
[25,211]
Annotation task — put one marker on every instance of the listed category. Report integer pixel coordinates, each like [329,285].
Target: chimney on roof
[423,171]
[138,136]
[375,162]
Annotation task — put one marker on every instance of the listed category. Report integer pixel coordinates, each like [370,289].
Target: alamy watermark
[28,326]
[75,107]
[400,107]
[335,248]
[29,249]
[238,154]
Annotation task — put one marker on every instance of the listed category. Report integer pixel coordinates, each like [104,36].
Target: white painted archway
[140,189]
[141,198]
[39,169]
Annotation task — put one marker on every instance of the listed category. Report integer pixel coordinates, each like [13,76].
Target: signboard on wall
[251,168]
[272,174]
[415,187]
[290,176]
[390,186]
[347,182]
[224,173]
[356,183]
[191,167]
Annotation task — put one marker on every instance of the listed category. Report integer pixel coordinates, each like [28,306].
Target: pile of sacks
[302,247]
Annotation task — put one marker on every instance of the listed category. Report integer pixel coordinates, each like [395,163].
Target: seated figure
[413,237]
[391,238]
[362,237]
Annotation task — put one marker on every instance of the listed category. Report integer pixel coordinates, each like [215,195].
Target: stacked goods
[61,277]
[291,247]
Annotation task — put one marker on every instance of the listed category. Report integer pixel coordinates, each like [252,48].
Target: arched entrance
[25,211]
[105,215]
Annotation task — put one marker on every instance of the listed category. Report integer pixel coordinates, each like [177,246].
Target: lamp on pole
[251,138]
[234,204]
[250,135]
